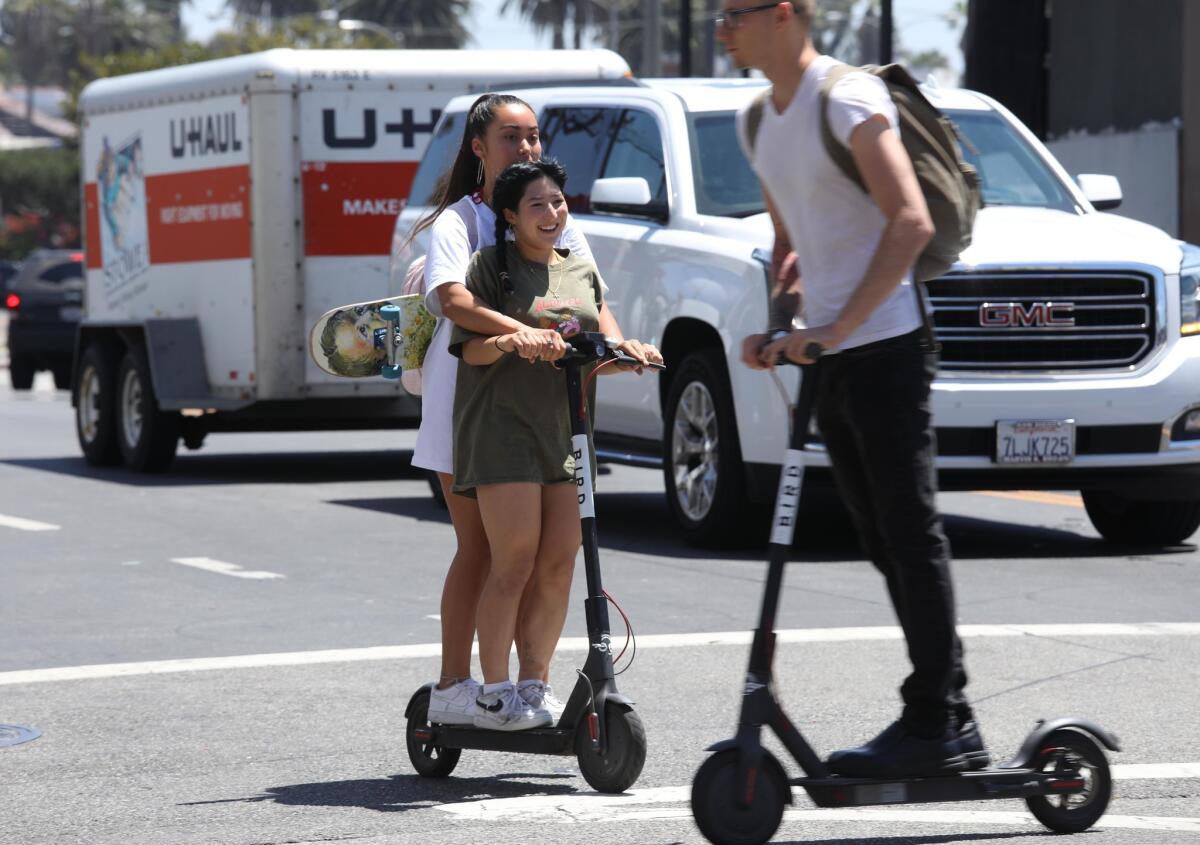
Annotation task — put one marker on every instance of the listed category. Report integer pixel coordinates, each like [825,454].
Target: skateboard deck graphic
[360,341]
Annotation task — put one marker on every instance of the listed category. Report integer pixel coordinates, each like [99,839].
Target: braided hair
[506,195]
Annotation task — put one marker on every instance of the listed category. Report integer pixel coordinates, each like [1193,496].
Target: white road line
[222,568]
[636,805]
[579,644]
[1156,771]
[26,524]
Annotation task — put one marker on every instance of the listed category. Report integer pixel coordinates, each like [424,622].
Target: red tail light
[77,256]
[12,302]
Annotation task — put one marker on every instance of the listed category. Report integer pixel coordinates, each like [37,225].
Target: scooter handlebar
[594,346]
[812,349]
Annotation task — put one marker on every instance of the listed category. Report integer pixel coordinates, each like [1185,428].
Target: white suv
[1070,338]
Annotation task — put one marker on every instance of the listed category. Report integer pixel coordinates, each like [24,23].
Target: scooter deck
[964,786]
[554,740]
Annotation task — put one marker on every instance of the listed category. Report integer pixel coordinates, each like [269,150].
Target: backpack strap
[754,116]
[838,151]
[843,159]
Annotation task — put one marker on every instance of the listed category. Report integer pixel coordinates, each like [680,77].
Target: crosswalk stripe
[222,568]
[580,644]
[638,805]
[26,524]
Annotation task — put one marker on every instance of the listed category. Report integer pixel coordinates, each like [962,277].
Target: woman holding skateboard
[512,433]
[500,130]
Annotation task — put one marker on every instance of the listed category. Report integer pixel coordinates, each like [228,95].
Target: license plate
[1035,441]
[70,313]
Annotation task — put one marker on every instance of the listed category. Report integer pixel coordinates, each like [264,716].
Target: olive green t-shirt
[511,421]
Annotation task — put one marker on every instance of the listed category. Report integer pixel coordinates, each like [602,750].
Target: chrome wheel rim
[87,405]
[131,409]
[695,463]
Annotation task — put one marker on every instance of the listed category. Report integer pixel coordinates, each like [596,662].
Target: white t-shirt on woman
[450,250]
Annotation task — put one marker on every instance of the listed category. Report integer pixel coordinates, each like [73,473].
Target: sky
[918,23]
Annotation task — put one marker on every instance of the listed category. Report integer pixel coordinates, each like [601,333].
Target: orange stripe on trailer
[91,225]
[350,208]
[200,215]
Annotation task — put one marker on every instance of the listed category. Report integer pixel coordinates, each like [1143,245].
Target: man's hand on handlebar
[798,346]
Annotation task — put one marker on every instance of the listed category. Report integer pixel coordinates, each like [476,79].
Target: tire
[619,767]
[1073,813]
[62,375]
[430,761]
[702,458]
[1141,523]
[96,406]
[716,811]
[21,372]
[146,436]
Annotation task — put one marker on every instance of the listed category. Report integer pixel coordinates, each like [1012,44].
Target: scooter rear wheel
[1072,751]
[620,765]
[715,806]
[431,761]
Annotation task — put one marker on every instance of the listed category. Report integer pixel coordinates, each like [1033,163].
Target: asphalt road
[280,717]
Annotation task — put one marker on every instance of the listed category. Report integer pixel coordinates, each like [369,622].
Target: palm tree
[553,14]
[429,24]
[275,9]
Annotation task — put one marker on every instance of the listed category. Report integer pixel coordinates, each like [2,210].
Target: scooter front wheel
[431,761]
[621,763]
[718,814]
[1066,753]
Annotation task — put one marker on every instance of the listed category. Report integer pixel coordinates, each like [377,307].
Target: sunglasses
[728,20]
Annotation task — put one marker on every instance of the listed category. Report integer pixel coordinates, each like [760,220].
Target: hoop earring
[479,175]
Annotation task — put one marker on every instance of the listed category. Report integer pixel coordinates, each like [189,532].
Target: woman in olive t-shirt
[512,433]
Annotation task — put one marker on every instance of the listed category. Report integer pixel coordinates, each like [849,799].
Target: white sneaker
[454,705]
[541,695]
[505,710]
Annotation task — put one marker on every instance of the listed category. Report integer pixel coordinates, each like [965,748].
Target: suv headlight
[1189,291]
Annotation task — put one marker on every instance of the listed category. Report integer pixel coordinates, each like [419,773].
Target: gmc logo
[1015,315]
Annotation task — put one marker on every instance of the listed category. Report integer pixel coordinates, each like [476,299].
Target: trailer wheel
[95,406]
[147,436]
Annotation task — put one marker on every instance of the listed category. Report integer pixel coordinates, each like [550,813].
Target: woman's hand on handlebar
[646,353]
[525,343]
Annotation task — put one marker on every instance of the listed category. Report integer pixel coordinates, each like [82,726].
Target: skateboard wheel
[391,313]
[391,372]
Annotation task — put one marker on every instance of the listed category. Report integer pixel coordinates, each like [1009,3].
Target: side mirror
[1103,192]
[626,195]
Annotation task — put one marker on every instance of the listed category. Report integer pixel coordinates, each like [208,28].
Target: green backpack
[950,185]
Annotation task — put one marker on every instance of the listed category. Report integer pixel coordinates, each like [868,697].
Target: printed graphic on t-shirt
[559,314]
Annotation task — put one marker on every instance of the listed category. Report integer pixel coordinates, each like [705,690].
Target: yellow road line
[1069,500]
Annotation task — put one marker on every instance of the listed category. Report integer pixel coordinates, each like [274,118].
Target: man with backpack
[833,150]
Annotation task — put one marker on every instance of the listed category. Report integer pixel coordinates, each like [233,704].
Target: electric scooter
[740,792]
[598,725]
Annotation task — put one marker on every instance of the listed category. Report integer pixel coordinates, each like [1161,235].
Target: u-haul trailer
[230,203]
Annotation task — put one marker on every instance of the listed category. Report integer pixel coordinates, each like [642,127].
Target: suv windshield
[1011,172]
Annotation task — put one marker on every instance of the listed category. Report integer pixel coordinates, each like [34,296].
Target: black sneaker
[898,753]
[971,744]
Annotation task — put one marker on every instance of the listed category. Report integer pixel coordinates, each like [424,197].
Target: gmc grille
[1043,321]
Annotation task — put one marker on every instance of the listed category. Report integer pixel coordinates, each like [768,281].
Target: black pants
[873,411]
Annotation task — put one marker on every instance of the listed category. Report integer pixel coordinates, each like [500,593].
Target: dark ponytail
[506,195]
[462,178]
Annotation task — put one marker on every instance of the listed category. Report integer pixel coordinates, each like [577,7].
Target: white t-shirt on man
[834,226]
[450,249]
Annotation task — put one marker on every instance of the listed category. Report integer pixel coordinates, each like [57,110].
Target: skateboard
[383,337]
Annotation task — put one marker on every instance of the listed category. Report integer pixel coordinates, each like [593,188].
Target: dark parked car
[44,301]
